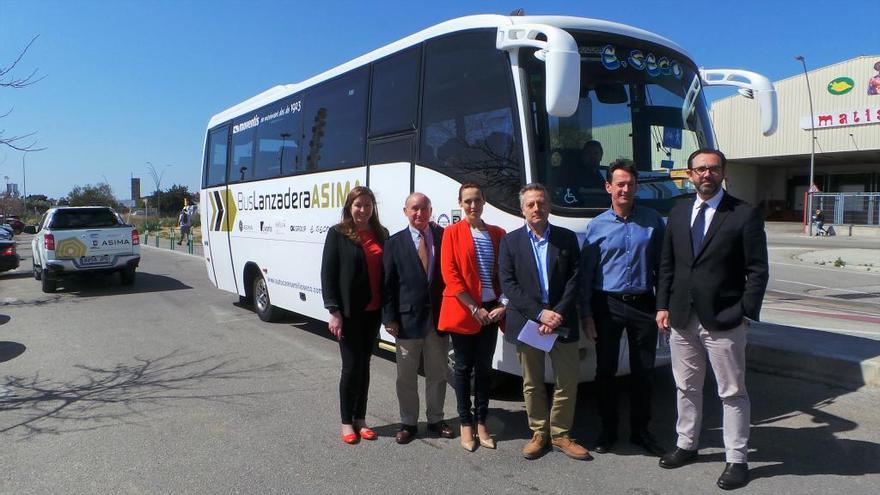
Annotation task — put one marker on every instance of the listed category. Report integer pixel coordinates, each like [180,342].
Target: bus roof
[450,26]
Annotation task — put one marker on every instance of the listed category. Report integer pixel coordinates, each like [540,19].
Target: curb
[834,359]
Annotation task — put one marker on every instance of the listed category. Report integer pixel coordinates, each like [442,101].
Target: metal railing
[188,244]
[848,208]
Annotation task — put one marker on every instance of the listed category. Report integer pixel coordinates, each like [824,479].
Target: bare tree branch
[7,80]
[24,142]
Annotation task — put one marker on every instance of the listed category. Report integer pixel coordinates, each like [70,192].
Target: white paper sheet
[529,335]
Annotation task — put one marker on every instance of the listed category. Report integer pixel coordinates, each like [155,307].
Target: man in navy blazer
[711,282]
[411,307]
[538,271]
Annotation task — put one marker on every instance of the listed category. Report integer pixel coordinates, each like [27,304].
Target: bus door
[218,220]
[390,176]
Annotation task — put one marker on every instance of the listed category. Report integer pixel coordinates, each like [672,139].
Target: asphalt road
[169,387]
[807,290]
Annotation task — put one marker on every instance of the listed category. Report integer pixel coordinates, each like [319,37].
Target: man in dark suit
[538,271]
[713,274]
[411,307]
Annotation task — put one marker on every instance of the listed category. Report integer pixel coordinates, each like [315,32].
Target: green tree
[89,195]
[39,202]
[171,199]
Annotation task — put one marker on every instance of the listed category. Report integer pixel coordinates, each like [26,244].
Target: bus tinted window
[242,165]
[468,128]
[216,159]
[335,122]
[278,139]
[394,97]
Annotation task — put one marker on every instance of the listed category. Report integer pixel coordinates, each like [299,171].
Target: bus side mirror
[562,62]
[751,85]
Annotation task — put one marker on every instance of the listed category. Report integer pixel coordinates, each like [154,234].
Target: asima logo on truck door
[223,211]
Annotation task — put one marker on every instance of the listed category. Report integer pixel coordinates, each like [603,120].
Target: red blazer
[461,273]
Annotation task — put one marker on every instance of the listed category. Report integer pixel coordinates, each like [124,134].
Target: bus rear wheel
[262,304]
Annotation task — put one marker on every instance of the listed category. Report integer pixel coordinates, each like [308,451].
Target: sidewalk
[840,230]
[836,359]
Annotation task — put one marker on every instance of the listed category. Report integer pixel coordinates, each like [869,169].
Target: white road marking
[821,286]
[811,296]
[836,270]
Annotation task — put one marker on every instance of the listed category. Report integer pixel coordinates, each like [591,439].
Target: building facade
[774,171]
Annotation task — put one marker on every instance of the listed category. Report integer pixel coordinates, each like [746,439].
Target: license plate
[94,260]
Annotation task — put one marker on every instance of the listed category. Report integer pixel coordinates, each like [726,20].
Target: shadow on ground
[120,394]
[10,350]
[109,284]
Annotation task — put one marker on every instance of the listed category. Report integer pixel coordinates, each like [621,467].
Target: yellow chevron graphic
[230,211]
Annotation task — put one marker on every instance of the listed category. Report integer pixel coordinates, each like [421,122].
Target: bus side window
[395,93]
[241,168]
[335,121]
[215,157]
[278,139]
[467,129]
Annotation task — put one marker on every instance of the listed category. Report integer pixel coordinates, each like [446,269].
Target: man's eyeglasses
[712,170]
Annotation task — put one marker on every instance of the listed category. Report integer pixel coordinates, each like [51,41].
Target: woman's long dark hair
[347,226]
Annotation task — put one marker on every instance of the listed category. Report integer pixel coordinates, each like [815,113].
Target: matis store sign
[858,116]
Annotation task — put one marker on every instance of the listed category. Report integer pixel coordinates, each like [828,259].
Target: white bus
[497,100]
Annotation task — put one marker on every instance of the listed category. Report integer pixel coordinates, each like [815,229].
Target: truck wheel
[38,274]
[49,285]
[127,275]
[262,304]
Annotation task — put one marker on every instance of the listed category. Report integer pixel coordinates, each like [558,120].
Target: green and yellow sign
[841,86]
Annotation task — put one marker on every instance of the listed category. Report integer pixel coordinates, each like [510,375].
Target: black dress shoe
[678,458]
[406,434]
[605,442]
[647,441]
[442,429]
[735,475]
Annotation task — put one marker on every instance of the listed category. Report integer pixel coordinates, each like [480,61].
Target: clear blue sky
[130,82]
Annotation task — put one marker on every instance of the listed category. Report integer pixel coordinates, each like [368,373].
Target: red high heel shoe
[368,433]
[351,438]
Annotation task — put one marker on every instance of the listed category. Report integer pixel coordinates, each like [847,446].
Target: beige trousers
[555,419]
[691,347]
[435,351]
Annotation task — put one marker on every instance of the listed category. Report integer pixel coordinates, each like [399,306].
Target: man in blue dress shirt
[620,259]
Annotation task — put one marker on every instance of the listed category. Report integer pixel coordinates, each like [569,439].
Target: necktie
[423,251]
[698,229]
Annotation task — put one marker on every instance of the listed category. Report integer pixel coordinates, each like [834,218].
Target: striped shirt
[486,262]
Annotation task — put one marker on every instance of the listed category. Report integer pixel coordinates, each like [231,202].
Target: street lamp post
[809,204]
[23,184]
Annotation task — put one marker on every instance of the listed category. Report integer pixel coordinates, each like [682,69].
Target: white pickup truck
[84,239]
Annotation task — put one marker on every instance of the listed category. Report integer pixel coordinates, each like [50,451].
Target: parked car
[15,222]
[6,232]
[9,258]
[84,239]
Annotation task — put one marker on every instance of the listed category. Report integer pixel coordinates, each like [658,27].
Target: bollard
[171,244]
[157,239]
[146,236]
[189,243]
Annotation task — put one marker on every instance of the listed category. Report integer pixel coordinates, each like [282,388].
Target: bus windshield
[632,99]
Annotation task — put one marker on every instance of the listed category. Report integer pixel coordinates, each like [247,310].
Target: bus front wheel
[262,304]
